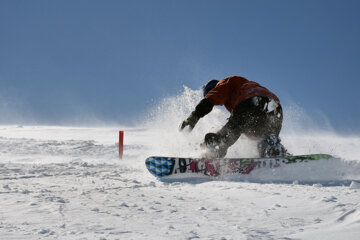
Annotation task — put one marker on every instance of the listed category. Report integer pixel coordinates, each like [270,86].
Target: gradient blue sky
[64,60]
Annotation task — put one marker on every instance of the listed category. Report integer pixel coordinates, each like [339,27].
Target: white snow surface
[68,183]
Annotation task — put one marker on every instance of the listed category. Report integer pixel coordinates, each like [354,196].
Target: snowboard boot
[270,146]
[215,148]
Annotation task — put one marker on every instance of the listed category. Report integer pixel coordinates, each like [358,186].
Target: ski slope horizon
[163,118]
[296,117]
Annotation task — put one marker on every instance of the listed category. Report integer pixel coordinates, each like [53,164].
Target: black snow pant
[258,117]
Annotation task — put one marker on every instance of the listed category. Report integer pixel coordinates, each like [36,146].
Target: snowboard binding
[270,146]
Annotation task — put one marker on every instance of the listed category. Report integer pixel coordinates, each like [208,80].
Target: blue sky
[61,60]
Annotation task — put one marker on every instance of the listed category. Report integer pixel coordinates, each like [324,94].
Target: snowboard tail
[171,166]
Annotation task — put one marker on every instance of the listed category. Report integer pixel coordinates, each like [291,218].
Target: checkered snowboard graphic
[170,166]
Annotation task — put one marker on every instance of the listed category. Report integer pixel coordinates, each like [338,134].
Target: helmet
[209,85]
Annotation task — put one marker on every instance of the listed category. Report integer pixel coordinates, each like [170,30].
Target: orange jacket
[235,89]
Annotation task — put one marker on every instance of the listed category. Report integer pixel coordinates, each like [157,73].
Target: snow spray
[167,114]
[302,133]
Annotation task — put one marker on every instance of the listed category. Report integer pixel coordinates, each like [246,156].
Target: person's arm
[204,107]
[216,96]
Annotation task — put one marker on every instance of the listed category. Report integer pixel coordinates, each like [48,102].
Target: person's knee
[212,139]
[215,146]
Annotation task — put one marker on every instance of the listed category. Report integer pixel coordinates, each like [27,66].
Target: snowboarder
[255,112]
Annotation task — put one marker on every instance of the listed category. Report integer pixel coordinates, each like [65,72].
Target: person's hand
[189,122]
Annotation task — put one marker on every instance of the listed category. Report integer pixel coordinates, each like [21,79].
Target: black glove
[190,121]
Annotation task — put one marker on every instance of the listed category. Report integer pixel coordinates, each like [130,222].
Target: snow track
[14,146]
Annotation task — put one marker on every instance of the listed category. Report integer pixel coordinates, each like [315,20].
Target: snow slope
[68,183]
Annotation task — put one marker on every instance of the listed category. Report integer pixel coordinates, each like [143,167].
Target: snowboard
[168,167]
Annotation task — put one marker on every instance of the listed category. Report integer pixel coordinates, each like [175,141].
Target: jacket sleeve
[204,107]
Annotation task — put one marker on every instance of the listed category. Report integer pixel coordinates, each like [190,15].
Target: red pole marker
[121,144]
